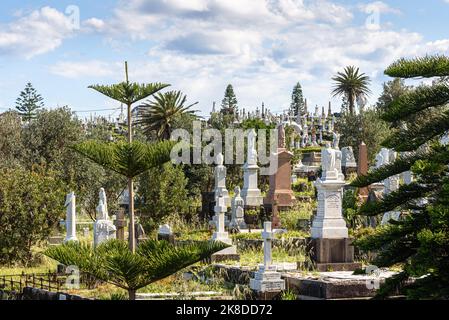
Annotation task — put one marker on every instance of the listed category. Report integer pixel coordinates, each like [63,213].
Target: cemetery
[158,201]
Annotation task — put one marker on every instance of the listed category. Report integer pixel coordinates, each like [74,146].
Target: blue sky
[262,47]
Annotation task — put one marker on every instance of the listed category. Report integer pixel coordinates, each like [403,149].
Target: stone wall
[29,293]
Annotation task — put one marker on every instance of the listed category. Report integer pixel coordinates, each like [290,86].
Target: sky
[261,47]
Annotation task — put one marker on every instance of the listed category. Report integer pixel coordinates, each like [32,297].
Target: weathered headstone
[280,195]
[70,221]
[330,243]
[267,279]
[104,228]
[251,194]
[165,233]
[329,222]
[221,235]
[120,224]
[220,179]
[237,211]
[348,162]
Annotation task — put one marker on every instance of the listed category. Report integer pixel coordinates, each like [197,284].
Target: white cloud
[91,69]
[94,24]
[39,32]
[262,47]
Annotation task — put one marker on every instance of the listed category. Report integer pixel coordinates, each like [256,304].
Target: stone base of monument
[167,237]
[228,254]
[267,281]
[333,254]
[104,230]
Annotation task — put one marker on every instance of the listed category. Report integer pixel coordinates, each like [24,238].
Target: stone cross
[267,236]
[70,222]
[220,234]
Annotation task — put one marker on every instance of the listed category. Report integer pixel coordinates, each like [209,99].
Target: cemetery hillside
[124,175]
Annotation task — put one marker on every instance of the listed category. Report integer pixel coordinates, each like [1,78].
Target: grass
[253,257]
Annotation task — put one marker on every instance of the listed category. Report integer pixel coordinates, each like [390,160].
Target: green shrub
[31,205]
[290,218]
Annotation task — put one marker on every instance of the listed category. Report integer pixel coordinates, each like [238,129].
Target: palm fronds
[351,84]
[158,115]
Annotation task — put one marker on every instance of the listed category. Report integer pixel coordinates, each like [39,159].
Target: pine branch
[402,164]
[426,67]
[421,98]
[417,134]
[404,195]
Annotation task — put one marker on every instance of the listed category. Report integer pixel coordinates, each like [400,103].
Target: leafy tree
[351,84]
[420,241]
[229,102]
[129,93]
[164,196]
[31,204]
[367,127]
[298,105]
[160,114]
[28,102]
[12,149]
[114,263]
[391,91]
[47,142]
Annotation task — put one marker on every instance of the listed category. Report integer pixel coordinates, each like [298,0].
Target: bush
[162,193]
[31,204]
[290,218]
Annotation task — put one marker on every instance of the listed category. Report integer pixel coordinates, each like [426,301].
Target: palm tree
[351,85]
[158,115]
[112,261]
[129,93]
[129,160]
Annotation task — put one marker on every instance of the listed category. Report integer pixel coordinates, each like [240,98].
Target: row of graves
[329,245]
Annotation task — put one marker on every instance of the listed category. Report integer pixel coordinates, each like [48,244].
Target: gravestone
[267,280]
[348,162]
[165,233]
[251,194]
[237,211]
[120,224]
[220,179]
[221,235]
[104,228]
[330,244]
[280,195]
[70,221]
[391,184]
